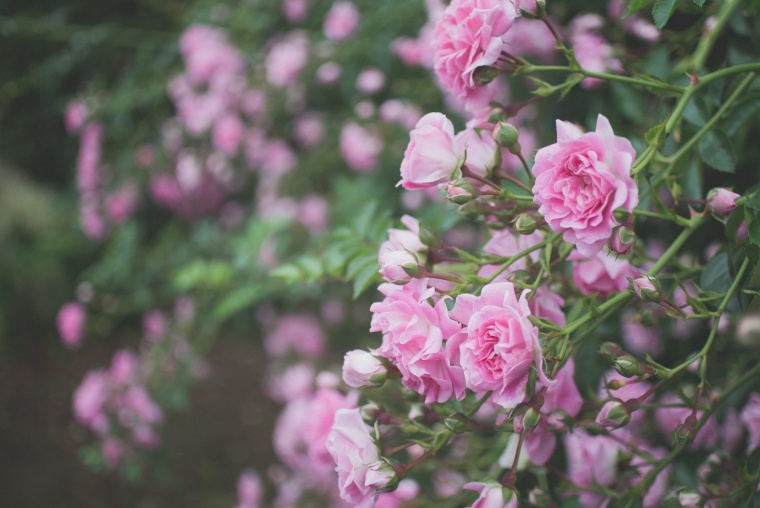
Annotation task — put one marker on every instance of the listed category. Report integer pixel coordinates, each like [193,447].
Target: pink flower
[309,130]
[481,152]
[299,332]
[601,273]
[361,368]
[398,266]
[492,495]
[121,204]
[341,21]
[249,489]
[591,460]
[750,416]
[360,148]
[721,202]
[89,399]
[328,73]
[591,49]
[405,114]
[88,159]
[407,490]
[228,132]
[295,10]
[70,323]
[370,80]
[499,344]
[154,324]
[669,418]
[413,339]
[354,452]
[431,157]
[581,180]
[470,35]
[286,58]
[561,399]
[312,212]
[75,116]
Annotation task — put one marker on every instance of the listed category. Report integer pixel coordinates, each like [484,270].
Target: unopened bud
[611,350]
[525,224]
[613,415]
[615,384]
[685,433]
[398,267]
[460,192]
[506,135]
[622,240]
[721,202]
[361,368]
[647,288]
[628,366]
[484,75]
[470,211]
[428,237]
[370,412]
[531,419]
[690,498]
[457,423]
[497,115]
[381,476]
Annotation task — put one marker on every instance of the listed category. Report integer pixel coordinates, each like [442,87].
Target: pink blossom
[413,339]
[354,451]
[407,490]
[278,159]
[370,80]
[591,460]
[121,204]
[295,10]
[481,152]
[398,266]
[591,49]
[721,202]
[507,243]
[154,324]
[114,452]
[91,219]
[531,37]
[286,58]
[254,103]
[309,130]
[547,304]
[360,147]
[165,191]
[292,383]
[750,416]
[470,35]
[396,111]
[328,73]
[601,273]
[145,155]
[361,368]
[431,157]
[561,399]
[341,21]
[88,159]
[491,495]
[639,337]
[732,430]
[581,180]
[138,407]
[124,367]
[249,489]
[75,116]
[669,418]
[313,213]
[227,134]
[70,323]
[655,494]
[301,333]
[89,400]
[499,344]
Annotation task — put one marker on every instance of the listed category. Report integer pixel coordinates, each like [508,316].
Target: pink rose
[353,450]
[341,21]
[481,152]
[360,147]
[295,10]
[328,73]
[121,204]
[591,460]
[750,416]
[298,332]
[721,202]
[601,273]
[90,398]
[249,489]
[669,418]
[492,495]
[470,35]
[75,116]
[431,157]
[228,133]
[413,339]
[361,368]
[370,80]
[70,323]
[398,266]
[286,58]
[499,344]
[581,180]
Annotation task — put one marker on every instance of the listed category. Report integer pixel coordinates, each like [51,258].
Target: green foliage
[662,11]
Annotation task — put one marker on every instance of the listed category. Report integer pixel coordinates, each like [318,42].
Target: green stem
[707,42]
[520,255]
[657,85]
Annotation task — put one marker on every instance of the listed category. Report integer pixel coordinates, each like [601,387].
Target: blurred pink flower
[70,323]
[341,21]
[360,147]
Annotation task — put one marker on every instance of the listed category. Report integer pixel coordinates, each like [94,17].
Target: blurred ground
[226,429]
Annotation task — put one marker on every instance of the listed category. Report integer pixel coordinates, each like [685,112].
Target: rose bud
[685,432]
[748,331]
[628,366]
[506,135]
[382,477]
[721,202]
[457,423]
[398,267]
[690,498]
[485,74]
[525,224]
[460,192]
[613,415]
[622,240]
[360,368]
[647,288]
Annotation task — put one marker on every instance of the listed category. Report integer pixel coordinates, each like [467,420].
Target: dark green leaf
[635,5]
[359,263]
[364,279]
[240,299]
[754,231]
[716,150]
[716,275]
[662,11]
[630,101]
[699,2]
[746,109]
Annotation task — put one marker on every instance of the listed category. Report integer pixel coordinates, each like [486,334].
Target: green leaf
[716,275]
[746,109]
[635,5]
[662,11]
[699,2]
[206,274]
[654,135]
[754,231]
[288,272]
[359,263]
[241,298]
[364,279]
[716,150]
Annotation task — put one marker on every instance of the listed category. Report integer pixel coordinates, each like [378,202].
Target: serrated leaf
[662,11]
[241,298]
[635,5]
[364,279]
[716,150]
